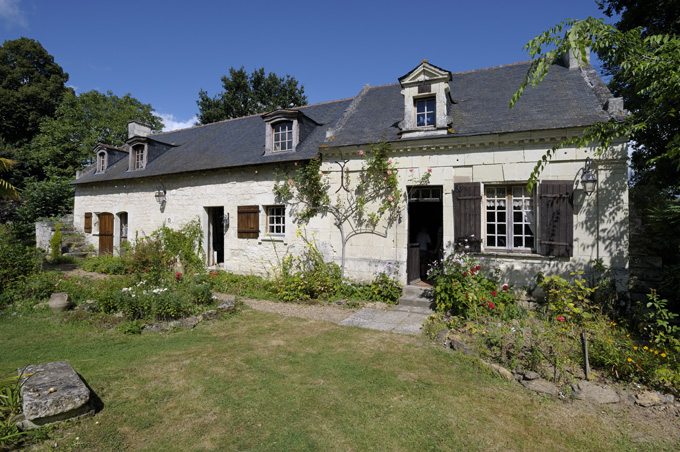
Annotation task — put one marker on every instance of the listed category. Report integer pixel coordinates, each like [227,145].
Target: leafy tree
[248,94]
[648,63]
[368,203]
[31,88]
[66,140]
[7,191]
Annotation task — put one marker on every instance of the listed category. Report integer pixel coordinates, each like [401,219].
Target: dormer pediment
[425,73]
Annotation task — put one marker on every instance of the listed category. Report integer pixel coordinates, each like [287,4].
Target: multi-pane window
[510,219]
[138,157]
[101,162]
[276,220]
[425,112]
[283,136]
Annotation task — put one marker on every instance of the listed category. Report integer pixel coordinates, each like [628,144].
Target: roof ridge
[493,67]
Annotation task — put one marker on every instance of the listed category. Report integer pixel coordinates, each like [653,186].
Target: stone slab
[541,386]
[362,318]
[412,324]
[54,392]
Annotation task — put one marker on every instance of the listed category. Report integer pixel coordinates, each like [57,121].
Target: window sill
[513,254]
[272,238]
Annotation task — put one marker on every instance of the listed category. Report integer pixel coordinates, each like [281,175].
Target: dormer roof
[425,73]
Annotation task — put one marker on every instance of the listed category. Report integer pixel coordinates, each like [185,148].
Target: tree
[31,87]
[7,191]
[646,63]
[368,206]
[246,94]
[66,140]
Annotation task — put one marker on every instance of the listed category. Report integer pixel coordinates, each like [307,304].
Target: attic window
[101,162]
[426,112]
[283,136]
[138,157]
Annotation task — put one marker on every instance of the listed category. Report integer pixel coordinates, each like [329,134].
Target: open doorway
[215,239]
[425,231]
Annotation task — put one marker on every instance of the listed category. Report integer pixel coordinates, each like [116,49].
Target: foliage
[66,141]
[7,190]
[131,327]
[248,94]
[31,87]
[251,286]
[307,276]
[10,406]
[385,286]
[370,205]
[150,260]
[647,64]
[55,242]
[16,263]
[661,323]
[568,301]
[107,264]
[461,288]
[185,245]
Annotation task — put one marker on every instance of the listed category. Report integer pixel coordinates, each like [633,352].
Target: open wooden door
[105,233]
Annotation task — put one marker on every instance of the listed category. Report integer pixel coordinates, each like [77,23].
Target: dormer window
[282,131]
[283,136]
[138,157]
[426,101]
[101,162]
[426,112]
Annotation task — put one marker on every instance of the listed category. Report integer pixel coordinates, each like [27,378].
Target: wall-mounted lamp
[160,194]
[225,221]
[588,178]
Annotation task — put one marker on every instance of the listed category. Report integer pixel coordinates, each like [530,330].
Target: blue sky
[164,52]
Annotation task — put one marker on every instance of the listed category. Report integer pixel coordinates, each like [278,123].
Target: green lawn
[259,381]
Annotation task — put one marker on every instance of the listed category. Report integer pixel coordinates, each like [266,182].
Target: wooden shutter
[467,210]
[557,219]
[248,220]
[88,222]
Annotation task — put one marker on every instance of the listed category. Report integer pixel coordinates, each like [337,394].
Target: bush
[385,287]
[55,243]
[107,264]
[17,262]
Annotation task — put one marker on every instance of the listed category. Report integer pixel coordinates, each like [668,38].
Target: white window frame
[424,101]
[509,208]
[276,220]
[138,157]
[282,136]
[101,162]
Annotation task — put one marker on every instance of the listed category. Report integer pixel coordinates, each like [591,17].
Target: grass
[260,382]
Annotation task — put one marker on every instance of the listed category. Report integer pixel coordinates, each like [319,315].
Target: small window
[138,157]
[101,162]
[283,136]
[276,220]
[510,219]
[425,112]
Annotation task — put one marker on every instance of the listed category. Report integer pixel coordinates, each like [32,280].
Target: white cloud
[12,13]
[170,123]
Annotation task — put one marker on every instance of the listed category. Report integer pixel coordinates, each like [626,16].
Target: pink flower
[429,170]
[560,318]
[410,169]
[389,161]
[389,171]
[361,152]
[385,178]
[65,276]
[295,163]
[491,305]
[389,199]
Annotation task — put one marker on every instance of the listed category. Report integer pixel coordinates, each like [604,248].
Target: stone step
[417,297]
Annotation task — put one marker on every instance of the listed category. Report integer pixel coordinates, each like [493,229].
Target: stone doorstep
[53,393]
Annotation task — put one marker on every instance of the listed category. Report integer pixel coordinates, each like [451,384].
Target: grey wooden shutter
[557,219]
[248,222]
[467,210]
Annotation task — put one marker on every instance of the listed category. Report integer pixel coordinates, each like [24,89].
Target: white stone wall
[600,220]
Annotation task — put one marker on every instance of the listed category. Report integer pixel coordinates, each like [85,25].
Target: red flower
[491,305]
[472,269]
[178,276]
[464,274]
[494,293]
[467,295]
[505,287]
[560,318]
[479,267]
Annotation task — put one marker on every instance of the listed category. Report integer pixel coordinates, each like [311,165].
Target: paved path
[403,320]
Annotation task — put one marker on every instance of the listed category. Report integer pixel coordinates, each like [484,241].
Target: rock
[190,322]
[155,327]
[59,302]
[541,386]
[577,372]
[119,315]
[502,371]
[341,302]
[592,392]
[55,392]
[460,347]
[531,375]
[441,335]
[209,315]
[227,305]
[648,398]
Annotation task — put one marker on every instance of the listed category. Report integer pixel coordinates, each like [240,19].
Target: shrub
[107,264]
[55,243]
[185,244]
[149,260]
[385,287]
[17,262]
[568,301]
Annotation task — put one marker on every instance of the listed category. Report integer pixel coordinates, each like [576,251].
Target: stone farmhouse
[456,127]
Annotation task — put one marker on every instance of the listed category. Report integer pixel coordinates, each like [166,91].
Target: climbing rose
[505,287]
[479,267]
[410,169]
[429,170]
[560,318]
[361,152]
[389,171]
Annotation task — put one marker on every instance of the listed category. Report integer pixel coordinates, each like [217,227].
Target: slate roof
[566,98]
